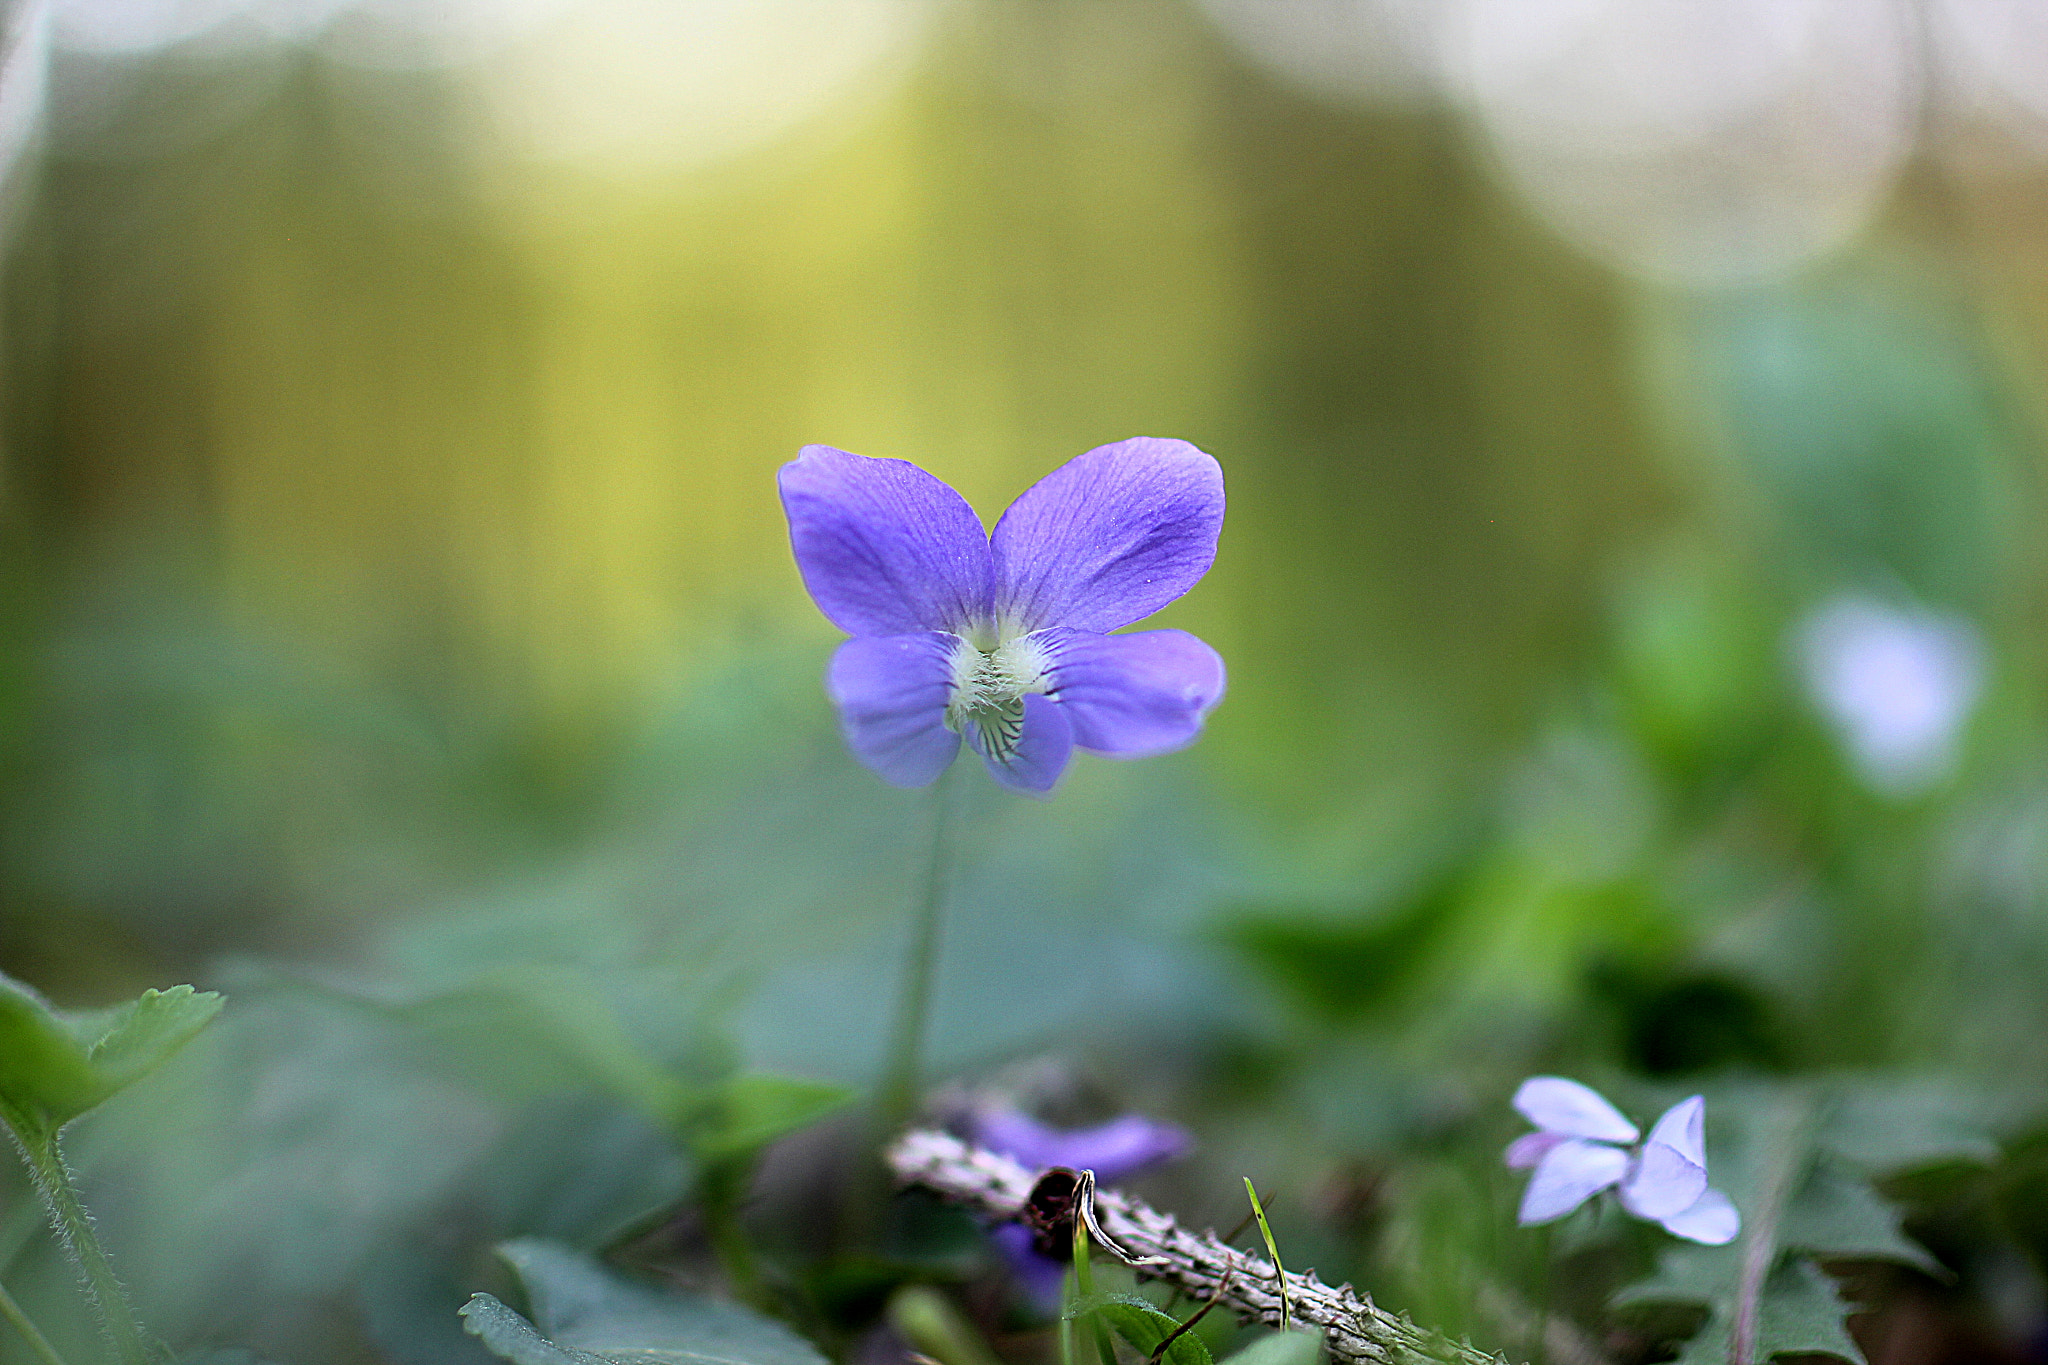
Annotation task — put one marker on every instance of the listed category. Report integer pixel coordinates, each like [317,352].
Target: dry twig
[1358,1332]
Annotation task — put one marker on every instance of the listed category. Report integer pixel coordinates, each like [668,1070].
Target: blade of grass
[1279,1271]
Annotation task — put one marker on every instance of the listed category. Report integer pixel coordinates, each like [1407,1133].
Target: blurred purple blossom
[1121,1147]
[1002,637]
[1582,1145]
[1897,685]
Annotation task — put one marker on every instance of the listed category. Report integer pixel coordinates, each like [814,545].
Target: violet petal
[1109,537]
[1557,1105]
[891,691]
[1570,1173]
[1712,1220]
[1671,1172]
[1132,695]
[884,548]
[1112,1150]
[1528,1149]
[1034,762]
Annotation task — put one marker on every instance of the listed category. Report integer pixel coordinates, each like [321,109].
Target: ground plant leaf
[1298,1347]
[753,1110]
[1785,1153]
[57,1064]
[1144,1325]
[585,1313]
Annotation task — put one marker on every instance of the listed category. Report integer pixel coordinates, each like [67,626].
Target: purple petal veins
[1109,537]
[1029,753]
[1132,695]
[884,548]
[892,692]
[1557,1105]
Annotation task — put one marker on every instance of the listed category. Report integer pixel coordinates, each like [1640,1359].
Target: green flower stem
[904,1064]
[37,1342]
[53,1180]
[1084,1281]
[720,1190]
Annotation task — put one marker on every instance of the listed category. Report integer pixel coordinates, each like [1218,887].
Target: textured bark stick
[1358,1332]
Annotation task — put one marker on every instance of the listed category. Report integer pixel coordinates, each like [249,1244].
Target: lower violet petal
[1132,695]
[891,691]
[1570,1173]
[1712,1220]
[1030,757]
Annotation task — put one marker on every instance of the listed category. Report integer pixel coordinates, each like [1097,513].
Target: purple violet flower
[1581,1147]
[1002,637]
[1123,1146]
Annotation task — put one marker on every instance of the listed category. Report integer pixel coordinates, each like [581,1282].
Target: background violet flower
[1121,1147]
[1001,637]
[1897,685]
[1581,1147]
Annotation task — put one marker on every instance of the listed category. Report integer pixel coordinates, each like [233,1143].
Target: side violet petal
[1712,1220]
[1557,1105]
[891,691]
[1132,695]
[1569,1174]
[884,548]
[1529,1149]
[1671,1171]
[1033,760]
[1109,537]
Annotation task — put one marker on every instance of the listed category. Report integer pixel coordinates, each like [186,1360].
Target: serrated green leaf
[580,1307]
[126,1043]
[55,1064]
[753,1110]
[1838,1214]
[1298,1347]
[1887,1126]
[509,1336]
[1144,1324]
[1798,1314]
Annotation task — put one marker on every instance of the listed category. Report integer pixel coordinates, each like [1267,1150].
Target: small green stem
[53,1180]
[902,1068]
[721,1188]
[37,1342]
[1084,1280]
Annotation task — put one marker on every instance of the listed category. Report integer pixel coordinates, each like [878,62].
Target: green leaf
[1298,1347]
[1144,1324]
[752,1111]
[510,1337]
[586,1313]
[57,1064]
[1798,1314]
[129,1041]
[1837,1214]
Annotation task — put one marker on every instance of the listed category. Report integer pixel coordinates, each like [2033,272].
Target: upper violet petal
[1530,1148]
[891,691]
[1711,1220]
[1035,760]
[1109,537]
[1671,1171]
[1683,1128]
[884,548]
[1557,1105]
[1568,1175]
[1112,1150]
[1132,695]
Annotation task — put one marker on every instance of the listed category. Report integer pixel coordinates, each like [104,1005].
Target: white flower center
[989,687]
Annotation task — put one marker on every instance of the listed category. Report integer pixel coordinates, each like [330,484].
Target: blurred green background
[395,590]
